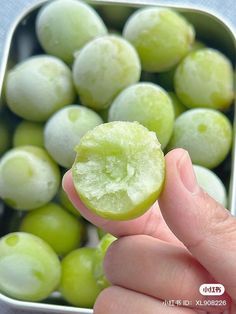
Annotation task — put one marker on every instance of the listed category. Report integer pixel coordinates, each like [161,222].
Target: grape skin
[147,104]
[39,86]
[29,268]
[161,36]
[205,133]
[103,68]
[205,79]
[29,133]
[78,285]
[29,178]
[53,224]
[64,26]
[64,130]
[211,183]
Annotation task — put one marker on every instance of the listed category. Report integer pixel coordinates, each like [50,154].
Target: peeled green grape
[100,253]
[205,133]
[161,36]
[115,15]
[66,203]
[78,285]
[177,104]
[28,133]
[29,178]
[61,230]
[205,79]
[119,170]
[64,26]
[39,86]
[148,104]
[103,68]
[64,130]
[29,268]
[211,183]
[5,138]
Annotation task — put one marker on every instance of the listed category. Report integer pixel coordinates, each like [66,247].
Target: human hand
[168,254]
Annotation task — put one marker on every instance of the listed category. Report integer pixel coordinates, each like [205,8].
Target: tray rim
[44,307]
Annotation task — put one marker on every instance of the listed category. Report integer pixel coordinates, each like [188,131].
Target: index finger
[151,223]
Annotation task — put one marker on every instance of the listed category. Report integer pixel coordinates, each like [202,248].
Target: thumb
[206,228]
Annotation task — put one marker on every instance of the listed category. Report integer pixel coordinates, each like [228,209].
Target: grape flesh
[119,170]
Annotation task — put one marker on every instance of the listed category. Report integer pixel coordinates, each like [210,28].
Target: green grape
[28,133]
[177,104]
[100,253]
[211,183]
[64,130]
[103,68]
[119,170]
[100,233]
[166,79]
[64,26]
[29,269]
[66,203]
[115,15]
[39,86]
[29,178]
[197,45]
[205,79]
[148,104]
[161,36]
[5,138]
[205,133]
[53,224]
[78,285]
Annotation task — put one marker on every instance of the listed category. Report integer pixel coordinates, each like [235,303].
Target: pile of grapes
[118,86]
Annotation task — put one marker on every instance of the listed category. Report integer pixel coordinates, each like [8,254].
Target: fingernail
[63,183]
[187,174]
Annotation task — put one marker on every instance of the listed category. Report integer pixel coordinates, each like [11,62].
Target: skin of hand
[183,241]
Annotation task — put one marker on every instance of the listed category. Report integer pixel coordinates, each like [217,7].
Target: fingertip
[175,155]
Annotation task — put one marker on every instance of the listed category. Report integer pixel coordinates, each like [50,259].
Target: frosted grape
[64,130]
